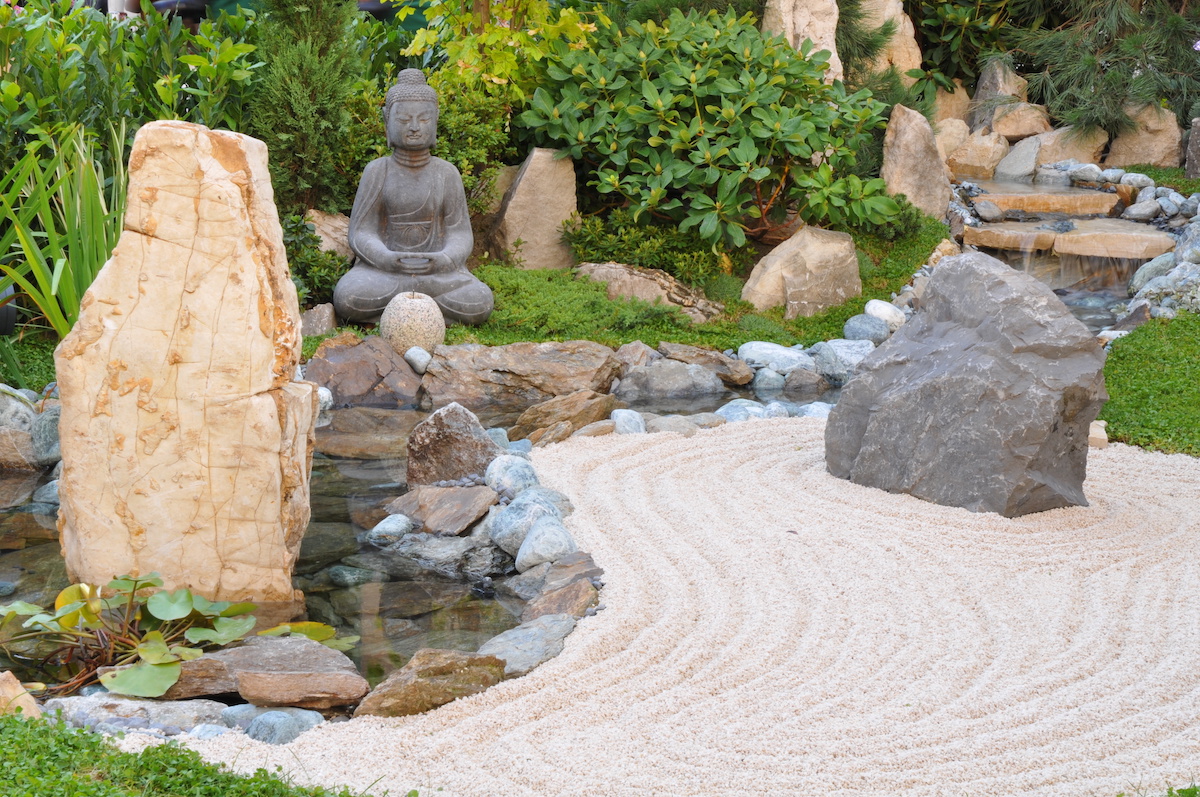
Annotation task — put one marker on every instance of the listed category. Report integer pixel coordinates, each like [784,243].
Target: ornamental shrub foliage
[704,121]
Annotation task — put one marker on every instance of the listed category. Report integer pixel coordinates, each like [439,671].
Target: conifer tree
[300,107]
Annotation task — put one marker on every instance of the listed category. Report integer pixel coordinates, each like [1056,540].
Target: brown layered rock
[444,511]
[813,270]
[731,371]
[633,354]
[534,209]
[448,445]
[574,598]
[517,375]
[982,400]
[1156,139]
[15,699]
[912,164]
[1020,120]
[1046,199]
[431,678]
[1114,238]
[977,157]
[797,20]
[186,444]
[1067,144]
[363,372]
[576,409]
[274,671]
[654,286]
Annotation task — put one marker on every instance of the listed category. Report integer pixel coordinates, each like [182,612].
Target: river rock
[797,20]
[510,475]
[517,375]
[666,378]
[1156,139]
[674,424]
[887,312]
[547,541]
[982,400]
[441,555]
[628,422]
[448,445]
[1068,144]
[274,671]
[866,327]
[803,383]
[978,156]
[529,644]
[576,409]
[652,285]
[44,437]
[997,81]
[431,678]
[1142,211]
[829,365]
[742,410]
[551,499]
[363,372]
[1020,120]
[534,209]
[277,727]
[511,524]
[731,371]
[783,359]
[187,440]
[81,710]
[767,381]
[16,410]
[16,450]
[912,165]
[445,511]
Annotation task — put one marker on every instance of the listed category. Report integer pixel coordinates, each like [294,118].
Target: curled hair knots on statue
[410,87]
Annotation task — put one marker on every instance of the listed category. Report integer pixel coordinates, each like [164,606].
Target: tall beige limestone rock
[912,165]
[797,20]
[186,441]
[1157,139]
[901,50]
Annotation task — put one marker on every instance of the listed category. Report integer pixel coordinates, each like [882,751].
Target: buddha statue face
[412,125]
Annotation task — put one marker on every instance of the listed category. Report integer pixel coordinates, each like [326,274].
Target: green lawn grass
[1153,379]
[45,759]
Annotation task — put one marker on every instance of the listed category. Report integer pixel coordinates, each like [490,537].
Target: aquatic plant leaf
[318,632]
[224,631]
[153,649]
[170,605]
[20,608]
[236,609]
[142,680]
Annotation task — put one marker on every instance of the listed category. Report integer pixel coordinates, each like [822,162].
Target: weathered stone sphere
[412,319]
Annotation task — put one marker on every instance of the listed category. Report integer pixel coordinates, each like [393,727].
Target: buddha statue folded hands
[410,229]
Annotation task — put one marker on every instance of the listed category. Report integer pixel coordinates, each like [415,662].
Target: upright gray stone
[982,400]
[997,82]
[1192,167]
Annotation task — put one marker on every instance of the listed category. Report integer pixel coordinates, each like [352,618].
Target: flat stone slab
[1047,199]
[1116,238]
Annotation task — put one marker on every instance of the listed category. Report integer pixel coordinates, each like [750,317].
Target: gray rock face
[1192,164]
[530,644]
[1020,163]
[982,400]
[668,379]
[547,541]
[46,449]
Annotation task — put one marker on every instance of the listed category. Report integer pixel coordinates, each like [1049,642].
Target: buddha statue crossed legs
[410,229]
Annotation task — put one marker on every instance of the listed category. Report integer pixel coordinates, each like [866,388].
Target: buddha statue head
[410,113]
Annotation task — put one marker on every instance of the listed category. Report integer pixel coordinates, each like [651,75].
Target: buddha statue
[410,229]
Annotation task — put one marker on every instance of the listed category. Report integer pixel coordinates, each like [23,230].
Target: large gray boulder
[982,400]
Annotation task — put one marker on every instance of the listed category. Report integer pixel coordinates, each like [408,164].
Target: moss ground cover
[43,759]
[1153,377]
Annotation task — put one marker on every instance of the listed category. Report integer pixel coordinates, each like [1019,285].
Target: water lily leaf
[170,605]
[132,583]
[142,680]
[185,653]
[20,608]
[224,630]
[153,649]
[318,632]
[342,643]
[236,609]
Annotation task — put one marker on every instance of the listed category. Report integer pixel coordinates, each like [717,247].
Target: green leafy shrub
[659,10]
[705,122]
[299,107]
[905,223]
[314,270]
[1112,56]
[1151,375]
[69,64]
[619,237]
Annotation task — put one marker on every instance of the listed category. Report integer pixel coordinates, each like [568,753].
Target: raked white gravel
[772,630]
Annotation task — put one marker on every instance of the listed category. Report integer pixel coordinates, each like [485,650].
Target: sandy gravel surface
[772,630]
